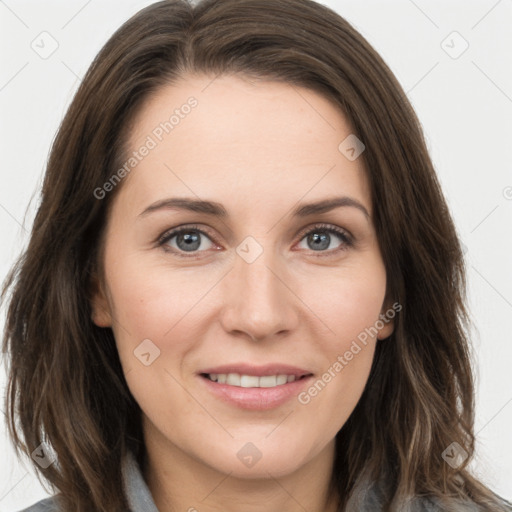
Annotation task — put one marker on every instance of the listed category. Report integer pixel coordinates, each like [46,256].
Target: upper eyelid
[326,226]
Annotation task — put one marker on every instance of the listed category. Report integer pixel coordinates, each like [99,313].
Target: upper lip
[258,371]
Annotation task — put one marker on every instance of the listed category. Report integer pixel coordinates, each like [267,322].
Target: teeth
[268,381]
[281,379]
[251,381]
[233,379]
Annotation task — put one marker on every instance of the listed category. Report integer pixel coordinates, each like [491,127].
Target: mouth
[255,388]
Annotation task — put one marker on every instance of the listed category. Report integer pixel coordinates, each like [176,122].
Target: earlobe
[100,316]
[100,309]
[386,322]
[387,329]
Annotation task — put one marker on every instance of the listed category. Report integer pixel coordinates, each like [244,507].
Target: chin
[260,459]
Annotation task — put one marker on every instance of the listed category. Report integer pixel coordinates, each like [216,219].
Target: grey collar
[137,492]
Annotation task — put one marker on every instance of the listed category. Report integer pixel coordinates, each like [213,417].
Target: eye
[188,240]
[319,238]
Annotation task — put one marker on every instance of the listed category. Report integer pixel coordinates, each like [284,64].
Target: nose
[257,299]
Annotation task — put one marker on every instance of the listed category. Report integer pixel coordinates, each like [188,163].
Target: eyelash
[347,239]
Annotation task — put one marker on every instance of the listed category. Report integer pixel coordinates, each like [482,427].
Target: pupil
[321,241]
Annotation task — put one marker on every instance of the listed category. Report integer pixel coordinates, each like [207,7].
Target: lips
[255,387]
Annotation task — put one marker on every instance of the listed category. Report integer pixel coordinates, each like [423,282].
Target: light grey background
[463,101]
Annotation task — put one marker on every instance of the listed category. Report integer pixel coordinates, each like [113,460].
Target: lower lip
[256,399]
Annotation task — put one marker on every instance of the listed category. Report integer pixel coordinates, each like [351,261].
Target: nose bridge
[258,303]
[256,276]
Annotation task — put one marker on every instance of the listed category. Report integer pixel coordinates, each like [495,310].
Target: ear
[387,319]
[100,308]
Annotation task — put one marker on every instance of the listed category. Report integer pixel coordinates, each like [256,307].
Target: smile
[254,392]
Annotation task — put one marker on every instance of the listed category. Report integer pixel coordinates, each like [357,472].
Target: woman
[243,289]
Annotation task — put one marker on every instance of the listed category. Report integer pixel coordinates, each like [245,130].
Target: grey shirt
[364,498]
[137,492]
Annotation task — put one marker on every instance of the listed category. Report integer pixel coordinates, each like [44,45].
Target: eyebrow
[217,210]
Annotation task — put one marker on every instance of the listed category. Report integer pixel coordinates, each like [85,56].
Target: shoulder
[434,505]
[370,496]
[46,505]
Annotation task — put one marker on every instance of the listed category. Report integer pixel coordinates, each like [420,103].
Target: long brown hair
[66,385]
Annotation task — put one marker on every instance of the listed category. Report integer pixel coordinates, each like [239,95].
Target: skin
[259,148]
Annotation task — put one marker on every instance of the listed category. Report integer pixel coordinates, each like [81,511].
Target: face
[248,335]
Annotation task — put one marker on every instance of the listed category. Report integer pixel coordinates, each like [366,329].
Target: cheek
[150,300]
[150,317]
[168,306]
[348,302]
[350,306]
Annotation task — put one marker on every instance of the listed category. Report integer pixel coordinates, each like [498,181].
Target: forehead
[238,139]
